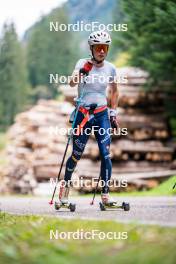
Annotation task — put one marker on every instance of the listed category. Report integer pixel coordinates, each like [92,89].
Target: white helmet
[99,37]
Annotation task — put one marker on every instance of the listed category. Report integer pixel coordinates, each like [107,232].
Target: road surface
[144,210]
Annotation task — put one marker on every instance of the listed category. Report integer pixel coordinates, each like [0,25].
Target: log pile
[36,148]
[145,150]
[143,157]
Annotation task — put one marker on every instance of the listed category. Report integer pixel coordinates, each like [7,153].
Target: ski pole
[65,152]
[91,203]
[174,186]
[85,71]
[58,177]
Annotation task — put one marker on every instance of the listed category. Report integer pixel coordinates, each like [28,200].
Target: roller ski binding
[63,199]
[109,203]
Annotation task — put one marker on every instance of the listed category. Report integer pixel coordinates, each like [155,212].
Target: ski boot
[107,202]
[63,198]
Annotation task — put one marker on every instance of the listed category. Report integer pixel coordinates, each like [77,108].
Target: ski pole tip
[51,202]
[91,203]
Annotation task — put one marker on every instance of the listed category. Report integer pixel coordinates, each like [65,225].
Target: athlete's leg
[103,138]
[79,143]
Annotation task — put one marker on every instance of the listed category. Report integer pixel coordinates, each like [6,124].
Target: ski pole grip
[86,68]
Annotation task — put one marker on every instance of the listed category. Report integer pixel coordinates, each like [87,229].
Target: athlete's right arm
[82,68]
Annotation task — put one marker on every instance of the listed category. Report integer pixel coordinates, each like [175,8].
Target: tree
[13,76]
[49,51]
[150,38]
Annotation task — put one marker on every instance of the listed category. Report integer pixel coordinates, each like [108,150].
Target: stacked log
[143,157]
[146,145]
[35,151]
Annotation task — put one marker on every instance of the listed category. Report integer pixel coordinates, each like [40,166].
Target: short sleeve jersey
[96,83]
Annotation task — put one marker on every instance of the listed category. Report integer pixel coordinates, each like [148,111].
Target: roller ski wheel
[102,207]
[57,206]
[126,206]
[72,207]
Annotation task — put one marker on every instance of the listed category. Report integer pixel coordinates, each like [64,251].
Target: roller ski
[63,199]
[108,203]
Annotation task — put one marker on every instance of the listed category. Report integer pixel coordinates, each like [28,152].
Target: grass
[25,239]
[164,189]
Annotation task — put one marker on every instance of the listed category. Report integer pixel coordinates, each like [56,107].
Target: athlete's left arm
[112,100]
[113,95]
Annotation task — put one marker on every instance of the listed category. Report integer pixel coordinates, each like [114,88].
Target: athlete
[93,77]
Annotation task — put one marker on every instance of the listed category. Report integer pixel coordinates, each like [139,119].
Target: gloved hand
[86,68]
[113,118]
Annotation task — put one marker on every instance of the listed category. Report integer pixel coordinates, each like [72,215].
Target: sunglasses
[100,47]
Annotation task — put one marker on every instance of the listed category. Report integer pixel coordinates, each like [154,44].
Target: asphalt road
[144,210]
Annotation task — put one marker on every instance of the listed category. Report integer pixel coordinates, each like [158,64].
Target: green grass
[25,239]
[165,188]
